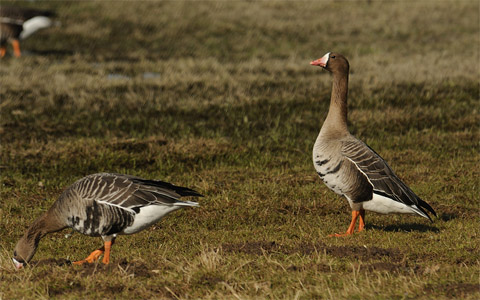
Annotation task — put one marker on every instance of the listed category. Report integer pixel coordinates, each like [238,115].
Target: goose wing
[380,175]
[131,193]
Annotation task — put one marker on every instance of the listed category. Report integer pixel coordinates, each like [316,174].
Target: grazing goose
[19,23]
[351,168]
[104,205]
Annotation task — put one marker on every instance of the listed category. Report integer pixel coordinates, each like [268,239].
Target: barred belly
[101,220]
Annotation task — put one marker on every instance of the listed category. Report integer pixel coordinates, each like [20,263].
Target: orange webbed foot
[351,228]
[91,258]
[105,250]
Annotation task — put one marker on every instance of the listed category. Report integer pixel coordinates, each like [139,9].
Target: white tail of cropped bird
[18,23]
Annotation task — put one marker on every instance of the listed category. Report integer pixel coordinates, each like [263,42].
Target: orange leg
[106,256]
[361,223]
[3,50]
[16,48]
[351,228]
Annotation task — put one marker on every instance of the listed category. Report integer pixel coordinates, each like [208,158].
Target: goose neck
[45,224]
[337,113]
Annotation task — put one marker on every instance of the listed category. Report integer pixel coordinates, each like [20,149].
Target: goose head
[333,62]
[23,253]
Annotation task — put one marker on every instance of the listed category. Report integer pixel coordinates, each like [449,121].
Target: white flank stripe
[185,203]
[112,204]
[418,211]
[360,170]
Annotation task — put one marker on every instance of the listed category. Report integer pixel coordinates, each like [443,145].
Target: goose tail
[421,208]
[425,206]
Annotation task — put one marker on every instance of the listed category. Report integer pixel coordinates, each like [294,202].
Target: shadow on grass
[447,217]
[138,268]
[407,227]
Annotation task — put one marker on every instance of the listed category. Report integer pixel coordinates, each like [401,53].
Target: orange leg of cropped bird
[3,50]
[105,250]
[16,48]
[351,228]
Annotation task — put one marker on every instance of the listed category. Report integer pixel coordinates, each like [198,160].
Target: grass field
[220,97]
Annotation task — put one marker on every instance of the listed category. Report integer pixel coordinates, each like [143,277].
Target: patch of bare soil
[136,145]
[209,280]
[51,262]
[114,289]
[318,267]
[55,290]
[364,253]
[383,266]
[406,227]
[470,256]
[468,260]
[255,248]
[288,209]
[356,252]
[454,290]
[136,269]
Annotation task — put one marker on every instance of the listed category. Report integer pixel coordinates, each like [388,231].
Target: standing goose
[19,23]
[352,169]
[104,205]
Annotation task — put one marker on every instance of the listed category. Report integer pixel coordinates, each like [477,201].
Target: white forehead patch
[325,58]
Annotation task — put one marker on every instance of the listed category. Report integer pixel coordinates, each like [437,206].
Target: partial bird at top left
[18,23]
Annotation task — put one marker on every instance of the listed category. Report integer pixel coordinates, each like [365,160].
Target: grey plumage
[106,204]
[351,168]
[381,177]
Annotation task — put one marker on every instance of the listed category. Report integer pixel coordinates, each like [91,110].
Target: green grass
[220,97]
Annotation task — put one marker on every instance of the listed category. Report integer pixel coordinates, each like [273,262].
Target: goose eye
[333,56]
